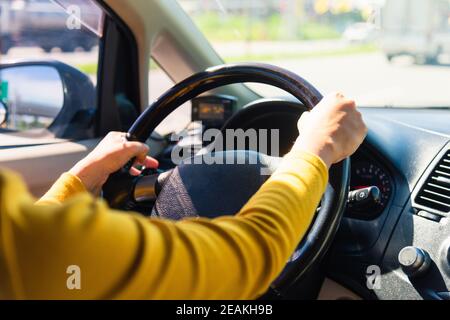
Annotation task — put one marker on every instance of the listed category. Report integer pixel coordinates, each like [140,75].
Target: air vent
[435,192]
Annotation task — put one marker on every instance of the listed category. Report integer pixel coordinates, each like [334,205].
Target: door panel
[41,165]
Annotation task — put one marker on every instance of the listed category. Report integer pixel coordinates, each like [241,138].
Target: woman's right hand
[333,130]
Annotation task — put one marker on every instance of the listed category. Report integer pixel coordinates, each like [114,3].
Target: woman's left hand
[111,154]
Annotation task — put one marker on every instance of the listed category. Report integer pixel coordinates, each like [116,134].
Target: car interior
[382,230]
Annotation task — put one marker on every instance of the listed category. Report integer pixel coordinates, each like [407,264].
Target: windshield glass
[381,52]
[87,12]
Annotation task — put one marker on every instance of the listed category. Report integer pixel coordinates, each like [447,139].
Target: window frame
[56,129]
[117,82]
[118,73]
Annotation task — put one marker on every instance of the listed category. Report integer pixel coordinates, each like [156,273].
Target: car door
[61,86]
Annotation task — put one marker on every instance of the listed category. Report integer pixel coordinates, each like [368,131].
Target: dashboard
[399,157]
[283,116]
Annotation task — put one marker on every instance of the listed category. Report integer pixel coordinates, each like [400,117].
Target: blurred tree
[321,6]
[341,6]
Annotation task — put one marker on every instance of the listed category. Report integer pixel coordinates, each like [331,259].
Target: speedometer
[367,174]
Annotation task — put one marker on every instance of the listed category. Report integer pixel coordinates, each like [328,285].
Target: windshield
[381,52]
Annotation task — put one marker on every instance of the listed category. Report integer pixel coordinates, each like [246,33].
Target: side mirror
[49,94]
[3,113]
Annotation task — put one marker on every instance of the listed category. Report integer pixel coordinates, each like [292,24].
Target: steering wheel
[200,189]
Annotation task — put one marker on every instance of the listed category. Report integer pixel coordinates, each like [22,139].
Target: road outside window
[381,52]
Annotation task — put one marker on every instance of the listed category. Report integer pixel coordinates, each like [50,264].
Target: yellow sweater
[121,255]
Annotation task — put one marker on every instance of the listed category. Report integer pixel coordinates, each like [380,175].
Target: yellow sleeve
[84,250]
[64,188]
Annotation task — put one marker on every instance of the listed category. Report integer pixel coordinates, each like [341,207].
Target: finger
[147,162]
[140,159]
[151,163]
[134,172]
[136,149]
[339,95]
[331,100]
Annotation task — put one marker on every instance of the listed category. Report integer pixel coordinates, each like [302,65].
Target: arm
[128,256]
[91,173]
[67,186]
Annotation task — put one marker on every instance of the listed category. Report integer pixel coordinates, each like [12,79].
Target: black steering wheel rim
[216,77]
[326,222]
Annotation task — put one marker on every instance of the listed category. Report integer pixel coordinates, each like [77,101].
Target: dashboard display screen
[211,111]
